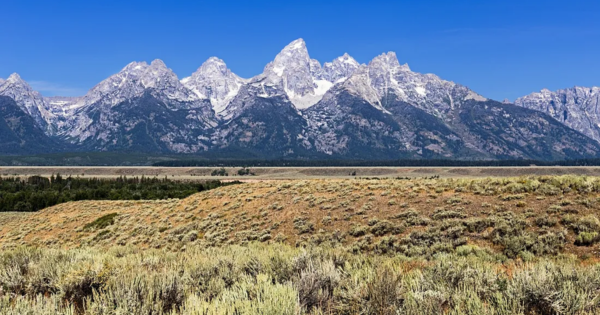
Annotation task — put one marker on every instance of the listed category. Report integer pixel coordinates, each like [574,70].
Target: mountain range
[299,108]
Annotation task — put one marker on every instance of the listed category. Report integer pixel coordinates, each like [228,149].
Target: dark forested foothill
[35,193]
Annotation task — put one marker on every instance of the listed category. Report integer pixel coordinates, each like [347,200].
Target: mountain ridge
[299,107]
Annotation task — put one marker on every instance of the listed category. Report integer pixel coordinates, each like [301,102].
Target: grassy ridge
[517,217]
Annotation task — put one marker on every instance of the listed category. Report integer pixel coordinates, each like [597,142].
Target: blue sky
[501,49]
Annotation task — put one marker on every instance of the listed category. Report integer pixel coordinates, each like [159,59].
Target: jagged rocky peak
[380,77]
[388,61]
[385,77]
[303,79]
[15,78]
[339,69]
[135,79]
[546,100]
[293,71]
[154,75]
[215,82]
[30,101]
[293,58]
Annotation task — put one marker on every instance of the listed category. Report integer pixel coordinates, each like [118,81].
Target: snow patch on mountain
[303,79]
[215,82]
[421,90]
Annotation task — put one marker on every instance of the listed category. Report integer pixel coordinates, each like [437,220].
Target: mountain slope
[345,125]
[507,131]
[144,108]
[263,127]
[19,132]
[578,107]
[30,101]
[146,124]
[387,109]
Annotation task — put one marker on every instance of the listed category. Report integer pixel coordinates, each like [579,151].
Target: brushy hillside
[516,217]
[366,246]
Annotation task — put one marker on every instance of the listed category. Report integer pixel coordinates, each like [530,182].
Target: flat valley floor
[284,173]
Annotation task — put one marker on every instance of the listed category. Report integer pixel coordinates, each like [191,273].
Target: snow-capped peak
[293,72]
[340,69]
[214,81]
[347,59]
[389,61]
[292,57]
[27,99]
[298,44]
[134,80]
[385,77]
[16,78]
[303,79]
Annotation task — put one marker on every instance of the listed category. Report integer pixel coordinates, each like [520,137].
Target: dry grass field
[511,245]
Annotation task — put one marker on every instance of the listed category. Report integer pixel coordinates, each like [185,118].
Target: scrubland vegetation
[279,279]
[525,245]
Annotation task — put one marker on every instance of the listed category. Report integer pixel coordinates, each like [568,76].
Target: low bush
[279,279]
[587,238]
[101,223]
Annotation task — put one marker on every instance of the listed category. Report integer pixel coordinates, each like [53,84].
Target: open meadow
[497,245]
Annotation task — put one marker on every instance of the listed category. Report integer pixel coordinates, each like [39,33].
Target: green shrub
[546,222]
[303,226]
[449,214]
[385,227]
[358,230]
[101,222]
[219,172]
[513,197]
[278,279]
[587,238]
[477,225]
[588,223]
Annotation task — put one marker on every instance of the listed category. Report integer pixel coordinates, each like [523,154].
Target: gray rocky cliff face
[577,108]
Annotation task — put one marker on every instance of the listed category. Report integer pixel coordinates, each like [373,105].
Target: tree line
[35,192]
